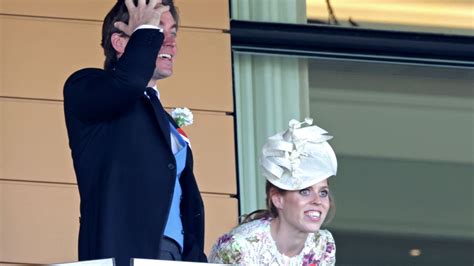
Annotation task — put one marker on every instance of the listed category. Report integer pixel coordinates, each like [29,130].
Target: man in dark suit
[139,197]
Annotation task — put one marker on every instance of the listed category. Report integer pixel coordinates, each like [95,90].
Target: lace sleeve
[227,250]
[329,255]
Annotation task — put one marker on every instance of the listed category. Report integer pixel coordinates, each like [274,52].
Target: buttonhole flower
[182,116]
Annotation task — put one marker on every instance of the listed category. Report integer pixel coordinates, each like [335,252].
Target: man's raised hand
[143,13]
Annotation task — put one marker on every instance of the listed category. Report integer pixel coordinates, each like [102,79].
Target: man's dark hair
[120,13]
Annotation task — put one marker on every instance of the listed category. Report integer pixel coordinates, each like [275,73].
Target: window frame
[314,40]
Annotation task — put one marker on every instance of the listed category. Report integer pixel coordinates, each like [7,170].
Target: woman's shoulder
[321,247]
[325,234]
[321,238]
[235,246]
[247,232]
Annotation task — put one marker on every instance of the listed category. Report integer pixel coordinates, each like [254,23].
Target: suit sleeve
[96,94]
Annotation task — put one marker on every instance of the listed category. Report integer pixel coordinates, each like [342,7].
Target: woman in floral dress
[296,164]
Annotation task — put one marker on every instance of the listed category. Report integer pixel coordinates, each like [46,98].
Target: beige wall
[41,43]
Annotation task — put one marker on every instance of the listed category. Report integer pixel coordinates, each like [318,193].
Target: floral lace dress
[252,244]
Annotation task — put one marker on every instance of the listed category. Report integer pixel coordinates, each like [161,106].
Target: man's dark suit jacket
[123,161]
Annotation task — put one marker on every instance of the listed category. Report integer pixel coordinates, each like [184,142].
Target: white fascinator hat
[298,157]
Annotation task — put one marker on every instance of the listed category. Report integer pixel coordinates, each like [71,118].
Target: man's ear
[118,43]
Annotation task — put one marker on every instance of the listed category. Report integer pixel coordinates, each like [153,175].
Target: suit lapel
[162,117]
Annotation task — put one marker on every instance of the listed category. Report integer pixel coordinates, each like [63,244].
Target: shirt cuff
[146,26]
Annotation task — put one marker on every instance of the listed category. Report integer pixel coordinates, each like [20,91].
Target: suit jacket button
[171,166]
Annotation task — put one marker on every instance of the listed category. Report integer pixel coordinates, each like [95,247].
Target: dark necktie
[151,93]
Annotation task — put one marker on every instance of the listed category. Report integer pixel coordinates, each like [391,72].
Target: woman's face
[303,210]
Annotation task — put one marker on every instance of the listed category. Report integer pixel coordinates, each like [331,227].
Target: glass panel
[404,139]
[437,16]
